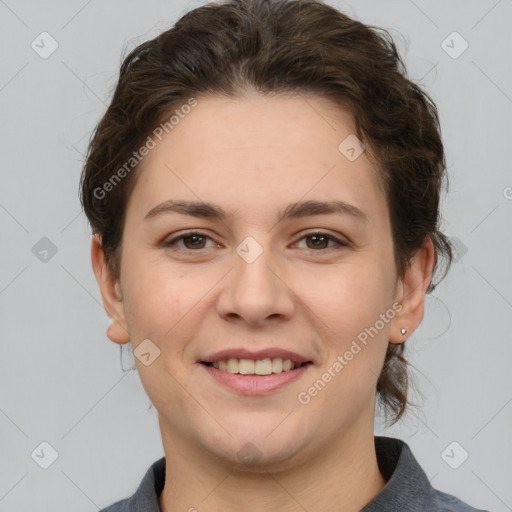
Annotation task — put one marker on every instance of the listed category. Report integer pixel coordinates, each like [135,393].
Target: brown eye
[320,241]
[196,241]
[191,240]
[317,241]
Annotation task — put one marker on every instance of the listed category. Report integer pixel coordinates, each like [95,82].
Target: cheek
[158,296]
[349,302]
[347,298]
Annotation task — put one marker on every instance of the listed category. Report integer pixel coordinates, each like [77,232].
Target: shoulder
[408,487]
[146,496]
[448,503]
[119,506]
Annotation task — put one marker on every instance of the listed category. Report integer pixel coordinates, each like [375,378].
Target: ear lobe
[117,333]
[413,289]
[110,293]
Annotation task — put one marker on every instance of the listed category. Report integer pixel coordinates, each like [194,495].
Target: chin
[261,453]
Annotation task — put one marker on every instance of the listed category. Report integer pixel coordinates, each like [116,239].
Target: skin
[253,156]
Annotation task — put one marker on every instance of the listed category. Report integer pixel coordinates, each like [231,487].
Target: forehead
[264,128]
[253,152]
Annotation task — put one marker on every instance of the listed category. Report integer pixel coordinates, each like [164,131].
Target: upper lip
[242,353]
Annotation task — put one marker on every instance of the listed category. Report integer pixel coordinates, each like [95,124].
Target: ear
[411,292]
[110,293]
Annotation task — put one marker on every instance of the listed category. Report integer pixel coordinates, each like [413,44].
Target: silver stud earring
[403,331]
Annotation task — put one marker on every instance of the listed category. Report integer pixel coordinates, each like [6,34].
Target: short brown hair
[281,46]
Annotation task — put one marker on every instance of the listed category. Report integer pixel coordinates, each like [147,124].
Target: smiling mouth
[261,367]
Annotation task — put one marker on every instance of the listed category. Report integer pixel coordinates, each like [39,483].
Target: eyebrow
[294,210]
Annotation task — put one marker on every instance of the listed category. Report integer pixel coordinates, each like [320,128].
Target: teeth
[259,367]
[263,367]
[277,365]
[232,365]
[246,367]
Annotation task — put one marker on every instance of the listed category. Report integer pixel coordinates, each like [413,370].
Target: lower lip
[256,384]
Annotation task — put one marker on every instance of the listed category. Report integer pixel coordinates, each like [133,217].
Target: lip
[242,353]
[253,385]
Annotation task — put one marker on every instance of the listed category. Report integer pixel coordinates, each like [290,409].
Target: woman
[264,197]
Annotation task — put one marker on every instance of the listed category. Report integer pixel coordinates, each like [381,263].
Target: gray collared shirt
[407,489]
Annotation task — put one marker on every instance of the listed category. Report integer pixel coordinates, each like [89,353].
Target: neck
[344,477]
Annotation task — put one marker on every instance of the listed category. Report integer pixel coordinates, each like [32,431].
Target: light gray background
[61,380]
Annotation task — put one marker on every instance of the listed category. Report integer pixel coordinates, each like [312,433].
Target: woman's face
[257,284]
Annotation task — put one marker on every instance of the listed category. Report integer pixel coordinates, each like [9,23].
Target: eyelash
[340,244]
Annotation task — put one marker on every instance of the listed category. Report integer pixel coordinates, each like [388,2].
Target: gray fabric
[407,489]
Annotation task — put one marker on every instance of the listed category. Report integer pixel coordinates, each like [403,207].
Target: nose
[256,292]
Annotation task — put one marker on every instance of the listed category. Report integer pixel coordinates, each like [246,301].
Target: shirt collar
[407,487]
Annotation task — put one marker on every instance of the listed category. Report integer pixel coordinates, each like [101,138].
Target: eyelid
[339,243]
[335,238]
[176,238]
